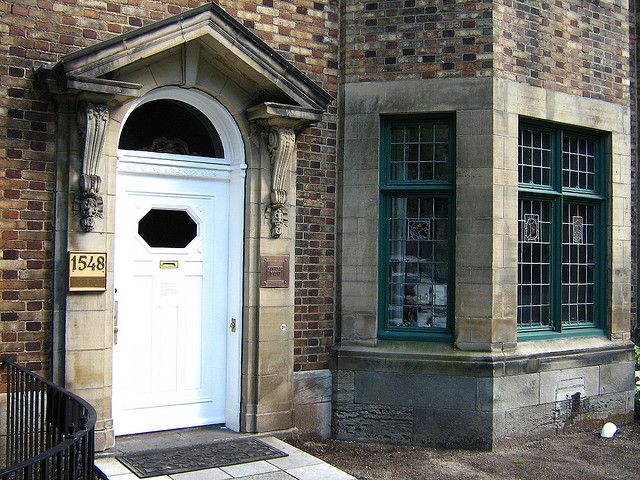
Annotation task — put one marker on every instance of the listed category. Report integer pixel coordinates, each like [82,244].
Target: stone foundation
[447,398]
[312,402]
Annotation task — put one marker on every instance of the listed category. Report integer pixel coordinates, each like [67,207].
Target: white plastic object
[608,430]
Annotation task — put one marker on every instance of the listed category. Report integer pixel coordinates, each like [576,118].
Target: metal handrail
[50,431]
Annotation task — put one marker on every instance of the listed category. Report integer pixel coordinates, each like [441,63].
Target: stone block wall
[448,399]
[312,392]
[35,32]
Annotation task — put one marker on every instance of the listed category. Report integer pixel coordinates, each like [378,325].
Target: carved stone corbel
[92,120]
[282,148]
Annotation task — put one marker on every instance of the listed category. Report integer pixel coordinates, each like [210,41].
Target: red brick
[19,10]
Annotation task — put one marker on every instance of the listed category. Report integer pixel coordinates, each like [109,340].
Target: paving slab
[298,465]
[279,475]
[207,474]
[322,471]
[251,468]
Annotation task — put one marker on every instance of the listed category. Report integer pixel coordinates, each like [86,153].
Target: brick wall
[34,32]
[573,46]
[315,247]
[402,39]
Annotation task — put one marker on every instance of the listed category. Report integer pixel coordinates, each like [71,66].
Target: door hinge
[232,325]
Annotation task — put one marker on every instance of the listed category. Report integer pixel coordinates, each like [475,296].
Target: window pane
[420,153]
[418,274]
[533,263]
[578,166]
[578,264]
[534,157]
[167,228]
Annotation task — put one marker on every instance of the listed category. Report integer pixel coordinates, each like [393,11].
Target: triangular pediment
[229,46]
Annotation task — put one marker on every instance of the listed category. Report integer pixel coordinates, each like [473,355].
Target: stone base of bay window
[430,394]
[312,402]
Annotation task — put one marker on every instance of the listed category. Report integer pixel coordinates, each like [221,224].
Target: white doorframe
[234,159]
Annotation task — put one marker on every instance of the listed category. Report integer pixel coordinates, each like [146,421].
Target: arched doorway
[178,264]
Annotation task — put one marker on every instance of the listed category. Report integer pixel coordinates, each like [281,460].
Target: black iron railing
[49,431]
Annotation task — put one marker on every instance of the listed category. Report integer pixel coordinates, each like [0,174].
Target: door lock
[232,325]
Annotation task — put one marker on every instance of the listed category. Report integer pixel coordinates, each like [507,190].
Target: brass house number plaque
[87,272]
[274,271]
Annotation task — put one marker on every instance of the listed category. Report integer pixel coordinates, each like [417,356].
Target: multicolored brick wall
[34,32]
[573,46]
[411,39]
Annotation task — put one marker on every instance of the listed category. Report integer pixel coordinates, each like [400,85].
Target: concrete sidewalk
[297,465]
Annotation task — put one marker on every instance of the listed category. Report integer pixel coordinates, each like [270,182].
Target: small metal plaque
[274,271]
[87,271]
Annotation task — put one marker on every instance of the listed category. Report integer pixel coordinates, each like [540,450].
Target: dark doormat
[197,457]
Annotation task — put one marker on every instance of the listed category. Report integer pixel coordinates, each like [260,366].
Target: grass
[637,349]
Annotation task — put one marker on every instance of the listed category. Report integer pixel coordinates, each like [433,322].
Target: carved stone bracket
[93,120]
[282,148]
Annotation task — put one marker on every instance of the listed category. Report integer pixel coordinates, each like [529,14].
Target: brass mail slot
[168,264]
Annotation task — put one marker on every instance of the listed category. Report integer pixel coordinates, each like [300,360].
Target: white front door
[171,274]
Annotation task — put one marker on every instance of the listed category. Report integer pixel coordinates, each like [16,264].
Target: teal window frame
[556,194]
[390,189]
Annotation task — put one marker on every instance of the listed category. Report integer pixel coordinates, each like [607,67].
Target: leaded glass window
[578,263]
[534,266]
[420,152]
[416,227]
[534,160]
[561,240]
[578,162]
[419,262]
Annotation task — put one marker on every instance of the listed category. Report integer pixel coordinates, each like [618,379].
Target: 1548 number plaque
[87,272]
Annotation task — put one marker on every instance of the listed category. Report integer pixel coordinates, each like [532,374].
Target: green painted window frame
[389,189]
[557,194]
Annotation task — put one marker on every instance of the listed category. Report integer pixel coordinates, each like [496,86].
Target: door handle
[115,322]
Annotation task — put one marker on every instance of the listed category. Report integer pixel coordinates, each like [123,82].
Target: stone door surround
[206,51]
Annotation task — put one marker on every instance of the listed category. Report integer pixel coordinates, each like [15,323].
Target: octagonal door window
[162,228]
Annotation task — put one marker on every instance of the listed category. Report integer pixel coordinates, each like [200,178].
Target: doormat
[152,463]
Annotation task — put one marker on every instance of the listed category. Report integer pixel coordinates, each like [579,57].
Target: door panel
[170,356]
